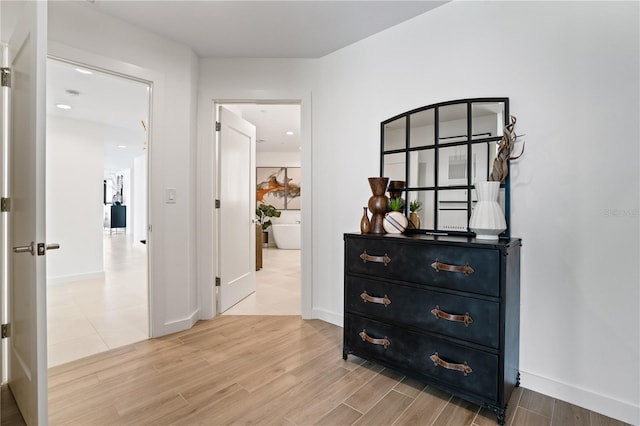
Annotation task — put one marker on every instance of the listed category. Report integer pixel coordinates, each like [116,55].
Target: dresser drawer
[457,366]
[457,316]
[461,268]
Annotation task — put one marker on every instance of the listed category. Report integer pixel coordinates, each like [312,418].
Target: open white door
[237,235]
[27,269]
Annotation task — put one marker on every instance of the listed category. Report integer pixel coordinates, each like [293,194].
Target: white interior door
[237,236]
[27,269]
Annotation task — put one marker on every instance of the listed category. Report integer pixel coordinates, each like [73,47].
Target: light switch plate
[171,196]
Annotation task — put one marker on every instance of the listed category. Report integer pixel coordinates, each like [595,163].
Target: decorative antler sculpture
[505,148]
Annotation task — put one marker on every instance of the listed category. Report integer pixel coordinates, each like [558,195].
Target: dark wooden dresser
[442,309]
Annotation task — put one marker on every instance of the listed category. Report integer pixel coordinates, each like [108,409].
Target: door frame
[92,61]
[208,268]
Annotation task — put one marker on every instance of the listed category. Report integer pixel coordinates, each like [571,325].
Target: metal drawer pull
[466,318]
[465,269]
[381,300]
[378,259]
[366,338]
[464,368]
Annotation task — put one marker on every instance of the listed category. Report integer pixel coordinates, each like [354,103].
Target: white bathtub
[287,235]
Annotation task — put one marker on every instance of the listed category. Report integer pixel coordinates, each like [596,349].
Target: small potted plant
[396,204]
[395,222]
[414,219]
[264,212]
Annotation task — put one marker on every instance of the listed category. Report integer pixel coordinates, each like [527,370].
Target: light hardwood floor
[266,370]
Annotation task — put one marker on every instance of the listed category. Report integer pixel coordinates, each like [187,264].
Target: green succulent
[396,204]
[415,206]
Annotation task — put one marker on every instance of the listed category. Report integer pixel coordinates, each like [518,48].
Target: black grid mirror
[436,153]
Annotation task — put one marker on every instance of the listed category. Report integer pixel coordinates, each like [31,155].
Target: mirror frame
[467,142]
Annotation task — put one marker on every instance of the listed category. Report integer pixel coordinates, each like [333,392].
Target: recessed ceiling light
[122,146]
[83,71]
[289,133]
[63,106]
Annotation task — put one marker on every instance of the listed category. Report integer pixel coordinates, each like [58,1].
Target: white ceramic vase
[487,218]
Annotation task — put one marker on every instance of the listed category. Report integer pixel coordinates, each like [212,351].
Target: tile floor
[277,286]
[88,317]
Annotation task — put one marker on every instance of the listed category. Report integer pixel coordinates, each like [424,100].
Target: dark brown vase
[365,224]
[395,188]
[378,204]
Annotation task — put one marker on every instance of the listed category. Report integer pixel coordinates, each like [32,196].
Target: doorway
[277,156]
[97,208]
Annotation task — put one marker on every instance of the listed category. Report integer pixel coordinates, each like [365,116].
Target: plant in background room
[264,212]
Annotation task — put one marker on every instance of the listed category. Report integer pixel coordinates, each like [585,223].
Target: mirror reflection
[453,210]
[440,151]
[452,123]
[395,135]
[422,168]
[488,119]
[395,166]
[422,126]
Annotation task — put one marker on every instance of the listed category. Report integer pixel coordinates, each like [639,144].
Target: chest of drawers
[444,310]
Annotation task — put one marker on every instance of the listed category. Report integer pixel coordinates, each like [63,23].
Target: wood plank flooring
[266,370]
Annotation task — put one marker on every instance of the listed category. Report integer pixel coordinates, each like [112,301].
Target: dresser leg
[344,355]
[499,412]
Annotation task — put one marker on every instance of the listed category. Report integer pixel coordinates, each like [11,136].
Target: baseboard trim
[603,404]
[328,316]
[76,277]
[178,325]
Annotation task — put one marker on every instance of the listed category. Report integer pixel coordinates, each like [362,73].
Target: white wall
[571,72]
[277,159]
[74,168]
[79,33]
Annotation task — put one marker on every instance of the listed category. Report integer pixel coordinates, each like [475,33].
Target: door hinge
[217,204]
[217,126]
[6,76]
[5,204]
[217,281]
[5,331]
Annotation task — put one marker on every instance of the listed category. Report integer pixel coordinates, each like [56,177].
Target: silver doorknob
[42,248]
[25,249]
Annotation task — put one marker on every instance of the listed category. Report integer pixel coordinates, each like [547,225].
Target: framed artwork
[292,188]
[279,186]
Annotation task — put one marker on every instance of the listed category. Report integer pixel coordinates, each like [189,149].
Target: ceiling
[265,29]
[212,28]
[118,104]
